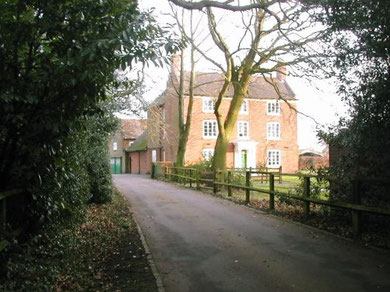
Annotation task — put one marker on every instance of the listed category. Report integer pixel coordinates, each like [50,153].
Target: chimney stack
[281,73]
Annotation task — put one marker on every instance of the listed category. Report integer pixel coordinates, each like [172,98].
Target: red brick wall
[139,162]
[257,119]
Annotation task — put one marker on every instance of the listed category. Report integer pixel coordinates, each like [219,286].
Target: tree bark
[184,129]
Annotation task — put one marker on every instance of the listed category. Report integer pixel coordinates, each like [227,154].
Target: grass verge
[103,253]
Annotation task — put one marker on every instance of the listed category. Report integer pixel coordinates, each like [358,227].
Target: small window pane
[243,129]
[244,107]
[273,107]
[210,129]
[273,131]
[273,158]
[208,105]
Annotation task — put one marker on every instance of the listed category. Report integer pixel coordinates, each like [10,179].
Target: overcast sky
[317,100]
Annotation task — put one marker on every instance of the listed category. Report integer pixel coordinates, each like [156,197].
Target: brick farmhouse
[265,134]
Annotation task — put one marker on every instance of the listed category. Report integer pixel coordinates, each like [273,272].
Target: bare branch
[223,5]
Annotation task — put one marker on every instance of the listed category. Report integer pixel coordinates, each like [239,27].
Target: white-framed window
[210,129]
[274,159]
[131,143]
[243,129]
[115,146]
[273,131]
[273,108]
[208,105]
[208,153]
[244,110]
[154,155]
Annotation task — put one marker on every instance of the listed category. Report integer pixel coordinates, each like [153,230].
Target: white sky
[317,100]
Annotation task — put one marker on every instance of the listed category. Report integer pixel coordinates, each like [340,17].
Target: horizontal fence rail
[226,179]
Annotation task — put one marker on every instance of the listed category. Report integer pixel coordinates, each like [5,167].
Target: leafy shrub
[319,188]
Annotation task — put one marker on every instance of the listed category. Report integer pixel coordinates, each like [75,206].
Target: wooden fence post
[190,178]
[356,215]
[271,189]
[197,173]
[215,186]
[306,194]
[280,175]
[3,215]
[153,170]
[248,184]
[229,180]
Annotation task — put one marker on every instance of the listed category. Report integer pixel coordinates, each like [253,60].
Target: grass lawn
[289,184]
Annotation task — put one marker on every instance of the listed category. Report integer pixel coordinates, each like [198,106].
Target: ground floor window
[208,153]
[273,158]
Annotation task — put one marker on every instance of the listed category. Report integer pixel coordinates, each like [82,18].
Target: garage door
[116,164]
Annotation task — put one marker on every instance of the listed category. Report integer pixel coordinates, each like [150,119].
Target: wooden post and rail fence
[215,180]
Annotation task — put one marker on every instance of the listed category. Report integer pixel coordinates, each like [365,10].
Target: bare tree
[185,122]
[274,34]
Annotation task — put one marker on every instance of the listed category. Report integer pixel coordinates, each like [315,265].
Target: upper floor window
[115,146]
[273,108]
[208,105]
[208,153]
[273,131]
[243,129]
[273,158]
[244,107]
[210,129]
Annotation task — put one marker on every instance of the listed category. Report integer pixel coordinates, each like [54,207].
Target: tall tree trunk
[184,129]
[226,126]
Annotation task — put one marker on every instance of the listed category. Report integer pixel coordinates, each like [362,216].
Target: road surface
[202,243]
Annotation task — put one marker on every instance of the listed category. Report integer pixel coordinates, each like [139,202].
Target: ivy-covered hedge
[58,60]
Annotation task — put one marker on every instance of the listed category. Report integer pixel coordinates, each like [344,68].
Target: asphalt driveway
[202,243]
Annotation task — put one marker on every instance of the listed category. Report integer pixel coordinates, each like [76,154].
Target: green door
[244,158]
[116,165]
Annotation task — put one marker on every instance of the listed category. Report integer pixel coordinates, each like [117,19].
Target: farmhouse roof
[140,144]
[132,128]
[209,84]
